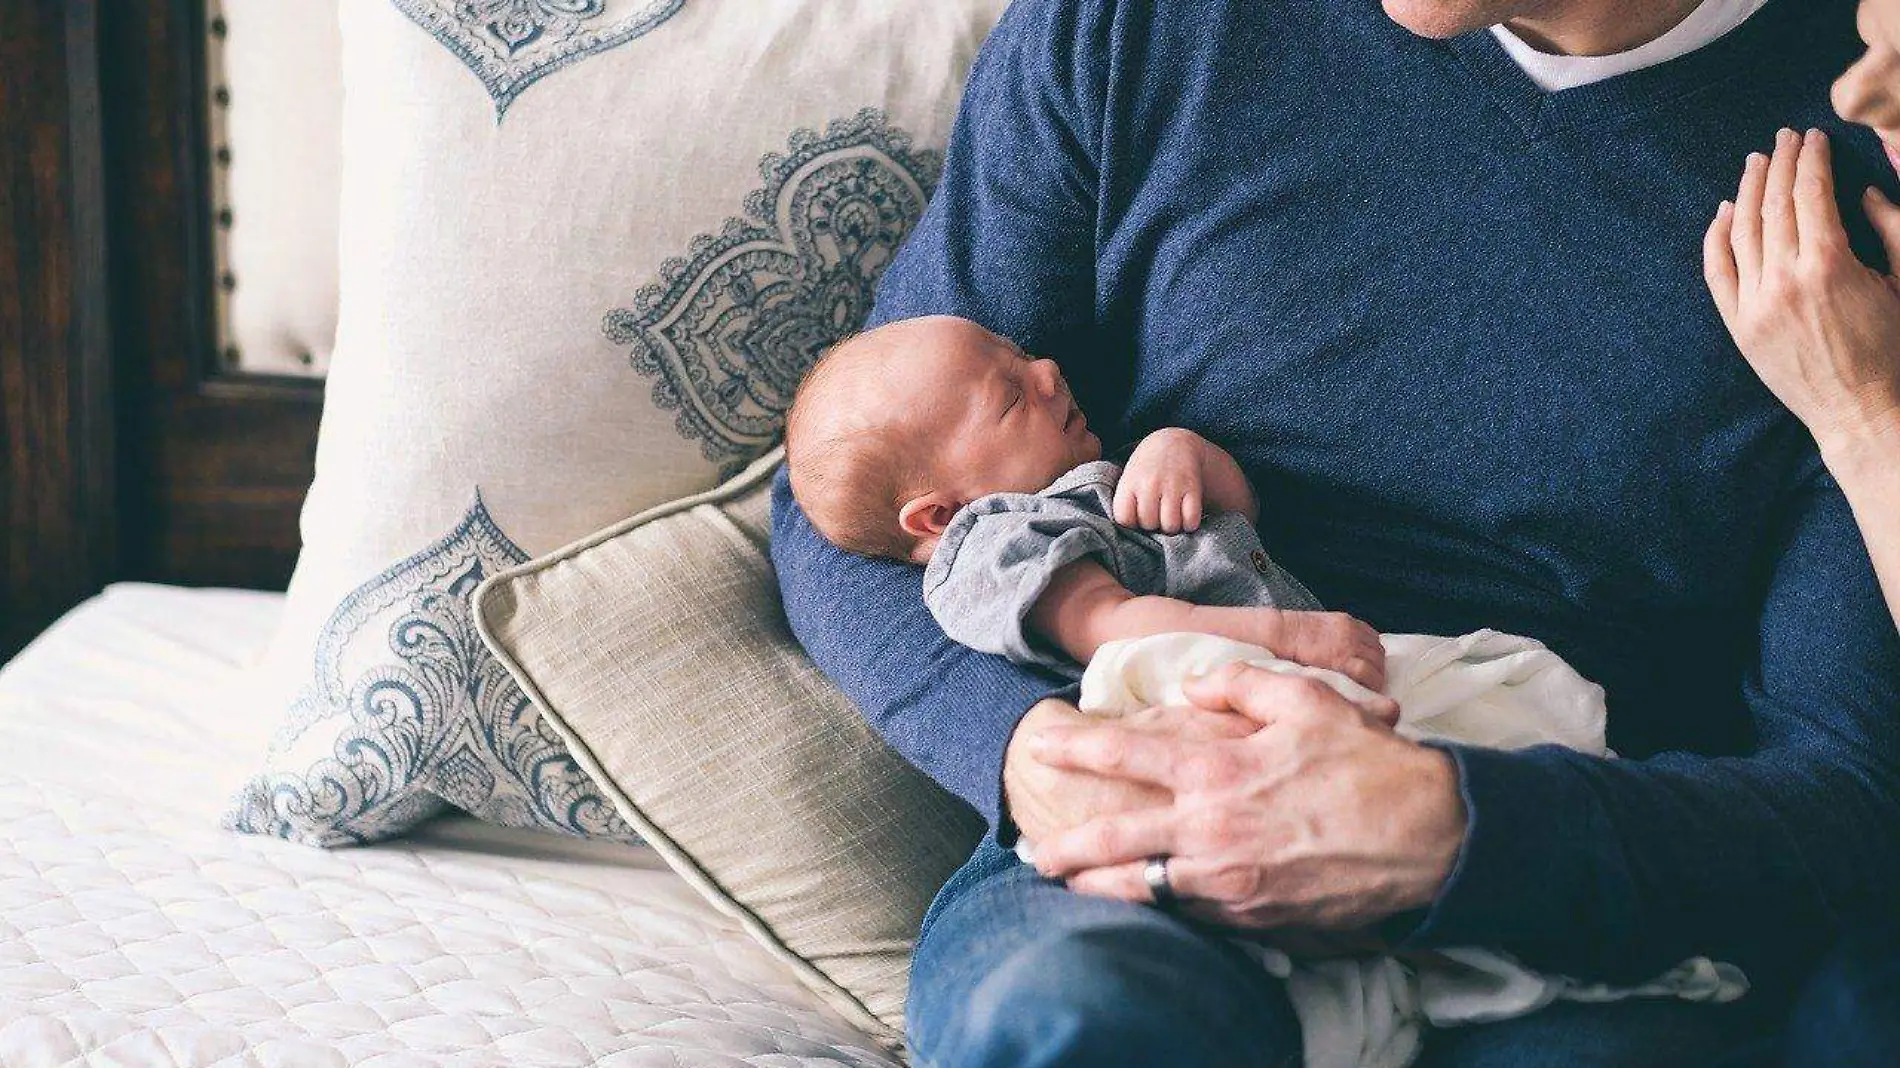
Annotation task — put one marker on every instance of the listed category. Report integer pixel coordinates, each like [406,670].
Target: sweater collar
[1741,53]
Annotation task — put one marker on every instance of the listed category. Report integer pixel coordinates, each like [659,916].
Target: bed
[134,932]
[162,374]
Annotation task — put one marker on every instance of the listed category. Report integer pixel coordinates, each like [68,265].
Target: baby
[937,442]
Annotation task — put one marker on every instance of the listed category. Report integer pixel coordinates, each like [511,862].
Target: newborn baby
[937,442]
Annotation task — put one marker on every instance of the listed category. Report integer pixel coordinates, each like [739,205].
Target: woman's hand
[1821,330]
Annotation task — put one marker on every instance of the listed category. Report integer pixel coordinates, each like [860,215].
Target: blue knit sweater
[1454,329]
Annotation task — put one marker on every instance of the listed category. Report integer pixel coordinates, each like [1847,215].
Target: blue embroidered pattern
[732,327]
[511,44]
[412,715]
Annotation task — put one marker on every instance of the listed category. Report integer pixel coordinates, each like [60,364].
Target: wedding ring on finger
[1155,874]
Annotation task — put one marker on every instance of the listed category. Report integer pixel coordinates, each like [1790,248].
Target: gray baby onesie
[1000,552]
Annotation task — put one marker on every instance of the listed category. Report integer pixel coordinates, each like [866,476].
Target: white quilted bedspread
[133,932]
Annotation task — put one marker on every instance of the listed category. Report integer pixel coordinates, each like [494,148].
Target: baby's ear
[927,516]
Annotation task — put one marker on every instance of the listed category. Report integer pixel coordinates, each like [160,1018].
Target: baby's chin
[1089,451]
[1077,451]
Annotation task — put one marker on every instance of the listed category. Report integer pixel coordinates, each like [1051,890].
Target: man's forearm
[1615,869]
[948,710]
[1867,466]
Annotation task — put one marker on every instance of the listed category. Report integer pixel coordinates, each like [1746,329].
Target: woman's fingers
[1747,229]
[1718,261]
[1817,215]
[1780,234]
[1106,842]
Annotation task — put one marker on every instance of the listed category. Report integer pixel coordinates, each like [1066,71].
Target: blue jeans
[1013,970]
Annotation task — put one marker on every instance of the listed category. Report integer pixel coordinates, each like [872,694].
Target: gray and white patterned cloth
[1000,553]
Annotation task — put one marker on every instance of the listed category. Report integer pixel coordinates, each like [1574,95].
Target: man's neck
[1599,27]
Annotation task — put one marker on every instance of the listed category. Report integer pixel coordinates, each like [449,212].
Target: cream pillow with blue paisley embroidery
[588,249]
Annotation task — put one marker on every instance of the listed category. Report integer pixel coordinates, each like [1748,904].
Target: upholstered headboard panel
[275,102]
[132,444]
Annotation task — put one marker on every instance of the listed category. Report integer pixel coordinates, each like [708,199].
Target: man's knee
[1110,996]
[1849,1013]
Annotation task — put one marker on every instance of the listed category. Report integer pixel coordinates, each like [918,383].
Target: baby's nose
[1048,377]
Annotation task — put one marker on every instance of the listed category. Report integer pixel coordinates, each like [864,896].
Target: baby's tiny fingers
[1125,511]
[1191,511]
[1357,668]
[1149,507]
[1170,511]
[1368,672]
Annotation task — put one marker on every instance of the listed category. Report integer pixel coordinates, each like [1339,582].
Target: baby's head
[899,427]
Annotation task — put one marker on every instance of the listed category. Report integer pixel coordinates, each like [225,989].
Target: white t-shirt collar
[1709,22]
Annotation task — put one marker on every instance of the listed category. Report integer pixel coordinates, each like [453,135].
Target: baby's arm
[1171,474]
[1085,608]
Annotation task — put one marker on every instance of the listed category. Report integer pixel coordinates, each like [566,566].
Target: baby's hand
[1161,487]
[1332,640]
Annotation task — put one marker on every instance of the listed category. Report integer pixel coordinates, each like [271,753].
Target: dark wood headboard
[126,451]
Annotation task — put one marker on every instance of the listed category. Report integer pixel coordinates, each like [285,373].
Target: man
[1439,292]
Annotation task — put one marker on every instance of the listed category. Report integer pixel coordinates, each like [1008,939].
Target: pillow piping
[486,603]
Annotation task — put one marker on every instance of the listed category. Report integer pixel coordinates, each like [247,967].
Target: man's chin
[1439,19]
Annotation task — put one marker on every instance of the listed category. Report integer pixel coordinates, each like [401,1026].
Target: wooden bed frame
[127,452]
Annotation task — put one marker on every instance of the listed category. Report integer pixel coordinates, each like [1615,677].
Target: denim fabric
[1013,970]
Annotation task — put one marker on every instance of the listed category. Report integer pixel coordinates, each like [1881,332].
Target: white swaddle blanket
[1487,689]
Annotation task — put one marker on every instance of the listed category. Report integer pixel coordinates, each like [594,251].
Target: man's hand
[1322,819]
[1044,800]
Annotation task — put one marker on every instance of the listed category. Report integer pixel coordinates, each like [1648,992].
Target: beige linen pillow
[659,651]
